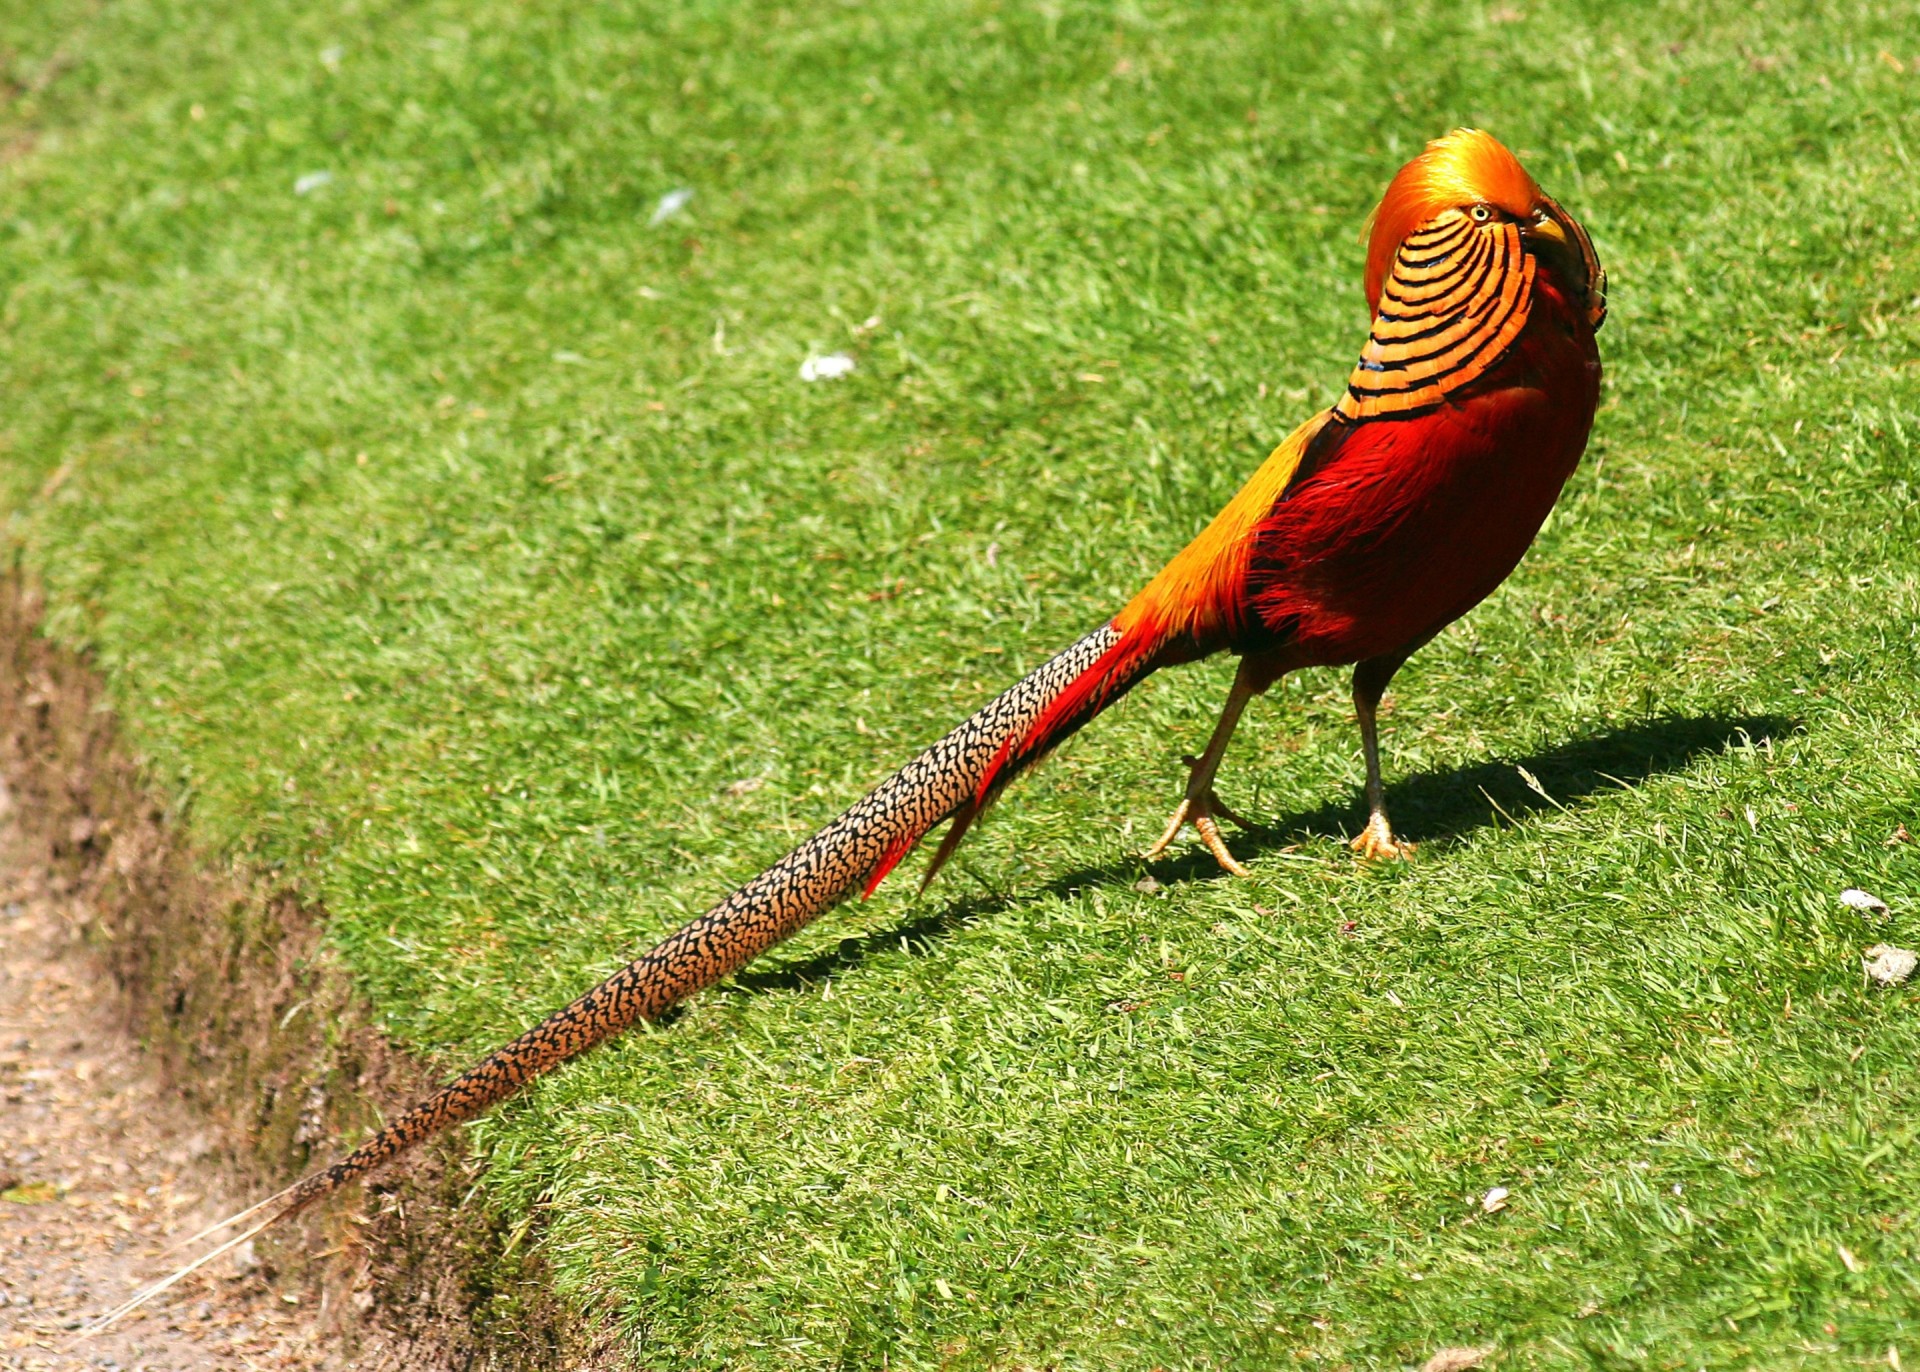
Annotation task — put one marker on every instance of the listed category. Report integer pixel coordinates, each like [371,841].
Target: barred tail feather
[949,780]
[806,883]
[1059,702]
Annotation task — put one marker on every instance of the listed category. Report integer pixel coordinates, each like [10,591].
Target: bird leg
[1369,684]
[1200,804]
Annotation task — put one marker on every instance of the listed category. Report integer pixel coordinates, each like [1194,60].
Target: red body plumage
[1409,524]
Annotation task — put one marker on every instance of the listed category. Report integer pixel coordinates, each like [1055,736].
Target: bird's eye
[1481,214]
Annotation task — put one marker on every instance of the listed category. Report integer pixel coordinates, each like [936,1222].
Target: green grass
[453,538]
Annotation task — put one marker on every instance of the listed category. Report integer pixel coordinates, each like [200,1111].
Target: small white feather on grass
[1864,901]
[1889,966]
[829,368]
[670,204]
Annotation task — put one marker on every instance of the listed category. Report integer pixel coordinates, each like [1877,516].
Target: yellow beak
[1558,240]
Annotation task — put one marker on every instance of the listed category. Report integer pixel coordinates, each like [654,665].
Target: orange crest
[1467,167]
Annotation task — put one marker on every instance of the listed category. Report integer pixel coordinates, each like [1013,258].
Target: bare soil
[177,1041]
[101,1168]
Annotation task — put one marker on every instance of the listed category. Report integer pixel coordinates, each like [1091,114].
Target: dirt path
[100,1169]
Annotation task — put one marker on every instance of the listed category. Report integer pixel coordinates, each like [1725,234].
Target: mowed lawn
[465,547]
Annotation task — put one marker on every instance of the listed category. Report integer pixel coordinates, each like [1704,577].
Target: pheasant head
[1470,174]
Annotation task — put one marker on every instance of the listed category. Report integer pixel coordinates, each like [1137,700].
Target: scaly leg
[1201,804]
[1370,680]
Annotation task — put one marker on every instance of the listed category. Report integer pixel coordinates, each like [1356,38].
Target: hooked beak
[1557,239]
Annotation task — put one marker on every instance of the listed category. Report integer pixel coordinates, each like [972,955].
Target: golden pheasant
[1368,530]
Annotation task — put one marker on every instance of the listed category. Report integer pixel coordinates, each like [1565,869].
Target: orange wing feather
[1200,594]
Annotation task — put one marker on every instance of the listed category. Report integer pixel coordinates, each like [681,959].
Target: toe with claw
[1377,841]
[1199,811]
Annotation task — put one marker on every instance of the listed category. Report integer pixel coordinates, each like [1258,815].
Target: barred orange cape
[1457,295]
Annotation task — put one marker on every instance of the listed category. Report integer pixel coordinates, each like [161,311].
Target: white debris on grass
[1456,1359]
[1889,966]
[671,204]
[312,182]
[1495,1200]
[1864,901]
[828,368]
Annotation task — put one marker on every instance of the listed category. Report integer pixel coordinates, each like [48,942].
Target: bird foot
[1377,841]
[1199,811]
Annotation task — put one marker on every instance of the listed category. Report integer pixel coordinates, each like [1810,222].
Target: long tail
[954,779]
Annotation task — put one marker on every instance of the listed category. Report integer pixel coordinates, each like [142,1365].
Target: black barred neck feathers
[1456,297]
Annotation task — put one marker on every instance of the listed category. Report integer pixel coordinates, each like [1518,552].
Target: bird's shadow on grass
[1427,807]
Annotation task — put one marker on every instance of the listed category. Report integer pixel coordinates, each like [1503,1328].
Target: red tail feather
[1086,696]
[888,861]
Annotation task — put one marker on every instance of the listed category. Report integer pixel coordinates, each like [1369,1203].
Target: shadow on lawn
[1427,807]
